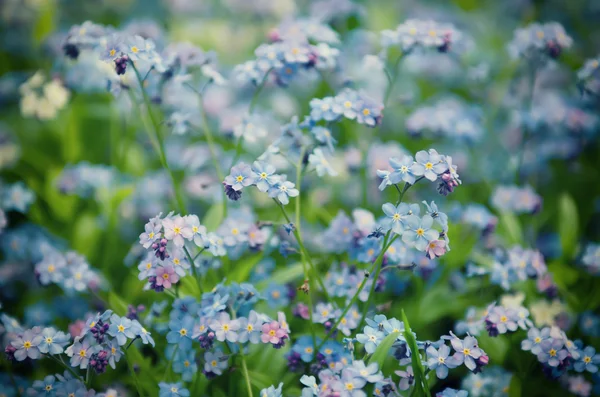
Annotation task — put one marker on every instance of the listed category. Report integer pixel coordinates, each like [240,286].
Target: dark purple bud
[10,350]
[233,195]
[121,64]
[71,51]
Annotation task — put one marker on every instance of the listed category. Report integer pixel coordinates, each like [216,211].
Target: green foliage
[383,349]
[420,386]
[568,226]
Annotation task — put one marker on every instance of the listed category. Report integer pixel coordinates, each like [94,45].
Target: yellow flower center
[51,268]
[537,340]
[263,175]
[176,261]
[112,52]
[27,344]
[250,328]
[186,363]
[539,34]
[183,332]
[239,178]
[428,165]
[165,276]
[552,353]
[81,353]
[235,231]
[49,340]
[148,265]
[213,363]
[135,50]
[347,104]
[587,359]
[349,386]
[275,294]
[432,33]
[370,252]
[195,229]
[366,112]
[225,327]
[151,235]
[121,328]
[420,231]
[308,350]
[441,360]
[396,217]
[48,387]
[174,389]
[177,230]
[503,319]
[295,51]
[466,351]
[412,31]
[272,332]
[113,350]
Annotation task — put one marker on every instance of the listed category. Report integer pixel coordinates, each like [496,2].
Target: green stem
[392,79]
[376,264]
[134,375]
[193,266]
[170,364]
[246,375]
[68,368]
[304,250]
[211,145]
[160,146]
[525,135]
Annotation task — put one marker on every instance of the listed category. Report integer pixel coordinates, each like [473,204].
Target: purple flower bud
[233,195]
[10,352]
[121,64]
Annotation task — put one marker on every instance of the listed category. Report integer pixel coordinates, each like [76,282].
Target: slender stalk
[246,375]
[211,145]
[525,135]
[87,377]
[170,364]
[392,79]
[193,266]
[303,249]
[68,368]
[134,375]
[377,263]
[159,142]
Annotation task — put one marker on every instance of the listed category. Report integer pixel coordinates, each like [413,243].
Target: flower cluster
[68,270]
[591,258]
[558,353]
[263,176]
[447,118]
[349,104]
[15,197]
[426,164]
[291,52]
[520,200]
[42,99]
[539,41]
[415,33]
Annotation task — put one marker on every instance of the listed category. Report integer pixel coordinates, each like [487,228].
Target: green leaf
[383,349]
[86,234]
[420,382]
[213,217]
[260,380]
[189,287]
[514,390]
[568,225]
[284,275]
[116,303]
[510,228]
[242,268]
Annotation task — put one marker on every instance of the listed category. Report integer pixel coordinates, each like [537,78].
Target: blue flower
[271,391]
[26,345]
[250,328]
[181,332]
[215,244]
[225,328]
[17,197]
[588,361]
[283,190]
[346,103]
[368,112]
[277,295]
[317,159]
[351,384]
[402,170]
[120,328]
[370,338]
[467,351]
[44,387]
[323,135]
[385,179]
[429,164]
[143,333]
[172,390]
[324,109]
[53,341]
[419,232]
[369,373]
[304,347]
[312,389]
[448,392]
[113,48]
[398,216]
[534,339]
[184,363]
[264,175]
[240,177]
[269,56]
[81,352]
[215,362]
[439,361]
